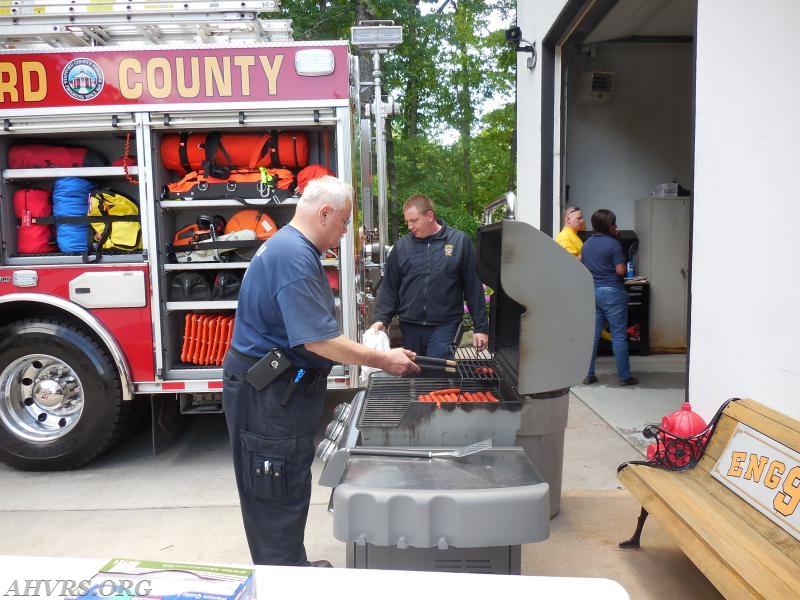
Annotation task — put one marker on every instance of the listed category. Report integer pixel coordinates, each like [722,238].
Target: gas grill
[470,513]
[394,414]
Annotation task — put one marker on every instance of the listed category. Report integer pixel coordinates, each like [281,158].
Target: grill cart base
[496,560]
[457,514]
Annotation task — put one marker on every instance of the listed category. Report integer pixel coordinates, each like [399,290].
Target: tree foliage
[453,77]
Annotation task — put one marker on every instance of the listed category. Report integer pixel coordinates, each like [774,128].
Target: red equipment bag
[33,238]
[34,156]
[309,173]
[217,153]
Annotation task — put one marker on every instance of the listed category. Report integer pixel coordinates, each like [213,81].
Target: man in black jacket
[429,274]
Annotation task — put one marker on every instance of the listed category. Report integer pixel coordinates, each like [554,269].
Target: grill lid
[542,311]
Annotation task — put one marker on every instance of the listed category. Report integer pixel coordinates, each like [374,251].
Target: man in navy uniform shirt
[286,303]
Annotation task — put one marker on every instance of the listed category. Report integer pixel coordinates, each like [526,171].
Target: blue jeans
[611,304]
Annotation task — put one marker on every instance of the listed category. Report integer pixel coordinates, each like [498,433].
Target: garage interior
[627,122]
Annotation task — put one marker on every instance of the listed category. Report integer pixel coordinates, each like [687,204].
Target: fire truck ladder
[71,23]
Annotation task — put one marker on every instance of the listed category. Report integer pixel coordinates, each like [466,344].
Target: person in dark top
[602,254]
[431,271]
[286,303]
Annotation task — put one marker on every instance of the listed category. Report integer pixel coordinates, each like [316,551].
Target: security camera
[515,39]
[514,36]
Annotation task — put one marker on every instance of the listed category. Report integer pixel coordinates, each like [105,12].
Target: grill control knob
[334,430]
[341,411]
[325,449]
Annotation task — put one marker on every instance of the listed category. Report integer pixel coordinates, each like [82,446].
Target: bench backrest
[755,452]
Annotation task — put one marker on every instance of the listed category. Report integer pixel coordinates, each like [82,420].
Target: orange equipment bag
[214,152]
[241,183]
[281,178]
[289,149]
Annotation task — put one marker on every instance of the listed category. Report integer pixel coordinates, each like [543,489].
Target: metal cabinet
[662,225]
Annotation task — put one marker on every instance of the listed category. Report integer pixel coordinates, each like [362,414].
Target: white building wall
[745,306]
[535,19]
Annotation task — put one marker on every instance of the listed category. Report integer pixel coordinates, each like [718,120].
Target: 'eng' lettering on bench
[785,501]
[754,466]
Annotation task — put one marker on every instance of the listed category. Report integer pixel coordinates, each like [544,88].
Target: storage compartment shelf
[58,258]
[291,202]
[217,266]
[205,266]
[196,372]
[52,173]
[202,305]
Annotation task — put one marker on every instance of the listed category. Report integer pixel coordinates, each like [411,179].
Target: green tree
[449,66]
[319,19]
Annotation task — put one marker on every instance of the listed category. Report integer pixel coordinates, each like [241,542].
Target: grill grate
[385,401]
[473,364]
[387,398]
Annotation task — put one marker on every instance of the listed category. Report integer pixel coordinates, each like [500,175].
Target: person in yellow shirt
[568,237]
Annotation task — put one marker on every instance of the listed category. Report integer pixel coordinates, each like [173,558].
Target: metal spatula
[455,453]
[335,468]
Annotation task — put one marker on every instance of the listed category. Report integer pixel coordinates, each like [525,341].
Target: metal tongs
[439,364]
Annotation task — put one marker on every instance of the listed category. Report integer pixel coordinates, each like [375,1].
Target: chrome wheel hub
[41,398]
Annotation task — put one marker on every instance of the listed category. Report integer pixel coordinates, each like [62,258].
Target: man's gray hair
[326,189]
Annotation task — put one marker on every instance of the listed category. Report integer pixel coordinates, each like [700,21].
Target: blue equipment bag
[71,199]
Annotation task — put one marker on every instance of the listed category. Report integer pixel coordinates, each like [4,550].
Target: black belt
[249,361]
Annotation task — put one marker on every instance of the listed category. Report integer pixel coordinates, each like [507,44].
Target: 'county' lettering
[210,76]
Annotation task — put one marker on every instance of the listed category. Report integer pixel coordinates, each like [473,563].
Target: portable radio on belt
[270,366]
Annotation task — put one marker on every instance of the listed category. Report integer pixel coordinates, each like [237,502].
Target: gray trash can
[541,435]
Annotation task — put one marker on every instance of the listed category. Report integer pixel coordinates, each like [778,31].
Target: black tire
[60,397]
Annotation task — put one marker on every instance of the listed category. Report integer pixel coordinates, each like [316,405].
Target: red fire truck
[129,91]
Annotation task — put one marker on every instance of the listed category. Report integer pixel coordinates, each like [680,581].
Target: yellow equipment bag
[118,226]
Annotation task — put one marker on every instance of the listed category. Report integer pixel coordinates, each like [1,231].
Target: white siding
[745,311]
[535,19]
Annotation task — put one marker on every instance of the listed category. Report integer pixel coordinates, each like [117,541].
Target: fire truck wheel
[60,396]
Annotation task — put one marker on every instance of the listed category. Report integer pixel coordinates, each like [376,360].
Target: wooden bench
[743,552]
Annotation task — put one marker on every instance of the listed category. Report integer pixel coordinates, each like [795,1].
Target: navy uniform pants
[430,340]
[273,447]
